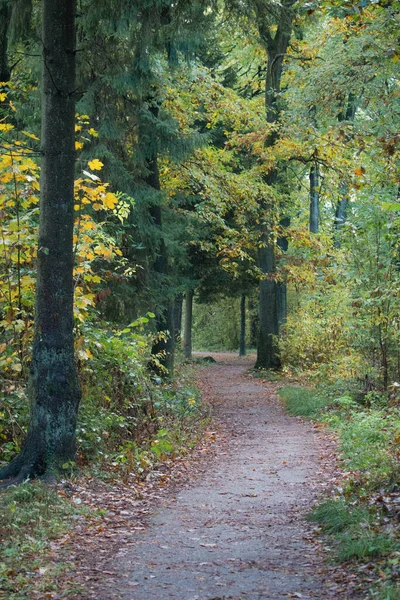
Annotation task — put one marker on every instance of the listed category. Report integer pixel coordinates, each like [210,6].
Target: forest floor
[226,522]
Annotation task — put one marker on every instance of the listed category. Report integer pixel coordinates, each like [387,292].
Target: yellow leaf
[78,145]
[95,165]
[29,135]
[88,225]
[93,132]
[110,200]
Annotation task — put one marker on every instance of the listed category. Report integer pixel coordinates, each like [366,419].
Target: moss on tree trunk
[54,387]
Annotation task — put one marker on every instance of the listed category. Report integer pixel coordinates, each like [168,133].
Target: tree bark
[272,298]
[314,198]
[254,322]
[187,337]
[178,305]
[242,343]
[165,345]
[5,16]
[347,114]
[54,387]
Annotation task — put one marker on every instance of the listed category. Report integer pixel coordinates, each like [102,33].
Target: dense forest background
[244,156]
[196,175]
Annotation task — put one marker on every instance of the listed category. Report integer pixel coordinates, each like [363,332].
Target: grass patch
[364,544]
[358,518]
[303,402]
[32,516]
[336,516]
[387,592]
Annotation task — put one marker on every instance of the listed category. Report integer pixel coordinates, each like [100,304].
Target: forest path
[238,530]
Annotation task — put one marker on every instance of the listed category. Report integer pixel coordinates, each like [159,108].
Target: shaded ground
[236,529]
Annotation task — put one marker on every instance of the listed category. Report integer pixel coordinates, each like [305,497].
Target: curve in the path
[239,532]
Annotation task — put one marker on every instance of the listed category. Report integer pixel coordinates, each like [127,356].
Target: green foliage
[357,516]
[353,527]
[336,516]
[304,402]
[216,325]
[364,545]
[368,444]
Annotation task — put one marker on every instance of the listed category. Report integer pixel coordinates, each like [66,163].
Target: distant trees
[253,146]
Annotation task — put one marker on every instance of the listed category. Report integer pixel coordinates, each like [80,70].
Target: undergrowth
[130,422]
[362,514]
[32,516]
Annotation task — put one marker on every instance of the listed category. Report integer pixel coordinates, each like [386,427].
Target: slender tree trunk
[254,323]
[178,306]
[314,198]
[54,388]
[242,343]
[187,337]
[165,345]
[341,213]
[347,114]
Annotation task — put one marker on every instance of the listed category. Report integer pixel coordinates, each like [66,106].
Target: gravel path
[238,531]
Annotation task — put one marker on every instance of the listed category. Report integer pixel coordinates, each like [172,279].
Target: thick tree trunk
[165,345]
[314,198]
[272,298]
[5,16]
[187,336]
[267,352]
[54,388]
[242,343]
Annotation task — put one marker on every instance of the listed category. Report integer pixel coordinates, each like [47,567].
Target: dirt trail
[238,531]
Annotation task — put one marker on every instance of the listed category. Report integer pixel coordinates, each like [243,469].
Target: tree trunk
[54,388]
[254,322]
[347,114]
[341,214]
[242,344]
[267,353]
[272,298]
[165,344]
[187,338]
[314,198]
[5,16]
[164,347]
[178,305]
